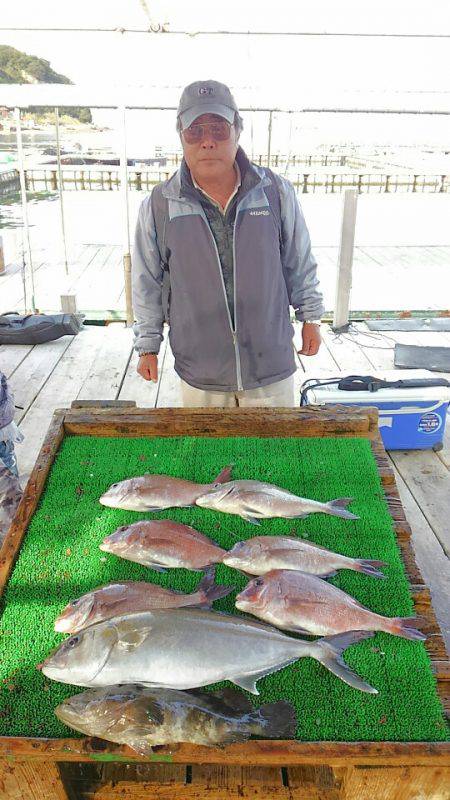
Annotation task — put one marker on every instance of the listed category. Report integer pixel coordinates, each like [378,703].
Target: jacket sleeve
[146,279]
[299,264]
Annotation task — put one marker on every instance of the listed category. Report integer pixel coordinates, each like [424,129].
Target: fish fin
[209,590]
[156,567]
[247,682]
[131,639]
[233,699]
[328,651]
[253,520]
[229,697]
[137,740]
[224,475]
[298,629]
[275,720]
[369,567]
[233,736]
[404,627]
[338,508]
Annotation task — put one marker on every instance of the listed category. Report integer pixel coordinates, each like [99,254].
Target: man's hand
[148,367]
[311,339]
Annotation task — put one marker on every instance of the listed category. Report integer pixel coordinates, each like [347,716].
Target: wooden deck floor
[99,364]
[415,276]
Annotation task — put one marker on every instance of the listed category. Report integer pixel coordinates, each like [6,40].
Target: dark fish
[143,717]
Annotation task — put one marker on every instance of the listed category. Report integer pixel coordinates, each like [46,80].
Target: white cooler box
[409,419]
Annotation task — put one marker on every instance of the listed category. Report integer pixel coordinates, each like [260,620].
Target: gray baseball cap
[206,97]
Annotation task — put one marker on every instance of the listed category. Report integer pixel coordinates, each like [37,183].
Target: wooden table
[57,769]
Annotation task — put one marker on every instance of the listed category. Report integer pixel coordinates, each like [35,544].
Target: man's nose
[208,142]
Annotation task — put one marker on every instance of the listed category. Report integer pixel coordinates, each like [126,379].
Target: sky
[270,65]
[279,71]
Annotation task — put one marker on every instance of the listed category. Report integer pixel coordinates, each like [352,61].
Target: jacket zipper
[233,330]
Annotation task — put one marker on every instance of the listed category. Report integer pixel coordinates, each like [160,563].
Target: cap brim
[188,117]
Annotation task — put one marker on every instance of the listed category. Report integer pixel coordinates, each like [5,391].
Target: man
[222,249]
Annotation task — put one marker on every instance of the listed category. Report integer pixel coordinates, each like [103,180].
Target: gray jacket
[273,268]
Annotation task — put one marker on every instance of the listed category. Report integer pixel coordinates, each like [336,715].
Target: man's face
[209,158]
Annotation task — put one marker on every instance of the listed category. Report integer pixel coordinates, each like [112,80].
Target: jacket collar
[180,186]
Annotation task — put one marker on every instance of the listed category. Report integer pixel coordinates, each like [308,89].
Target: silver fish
[262,554]
[304,603]
[163,543]
[186,648]
[253,500]
[128,597]
[142,717]
[157,492]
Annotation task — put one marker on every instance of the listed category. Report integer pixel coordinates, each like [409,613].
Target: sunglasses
[219,131]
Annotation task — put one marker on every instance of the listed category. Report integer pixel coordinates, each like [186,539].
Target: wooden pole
[345,265]
[61,187]
[125,216]
[27,270]
[2,257]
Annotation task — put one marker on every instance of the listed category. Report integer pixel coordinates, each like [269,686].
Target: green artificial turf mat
[60,560]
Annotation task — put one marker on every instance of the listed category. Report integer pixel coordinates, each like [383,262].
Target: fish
[163,543]
[126,597]
[253,500]
[188,648]
[262,554]
[157,492]
[302,603]
[143,717]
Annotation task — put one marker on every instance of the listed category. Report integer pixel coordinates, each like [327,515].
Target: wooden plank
[323,362]
[309,421]
[12,355]
[397,783]
[316,782]
[34,371]
[256,752]
[31,497]
[30,781]
[62,387]
[134,387]
[106,373]
[431,559]
[169,392]
[429,482]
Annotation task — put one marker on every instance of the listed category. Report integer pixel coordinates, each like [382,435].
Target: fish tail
[224,475]
[369,567]
[338,508]
[405,627]
[328,651]
[209,591]
[274,721]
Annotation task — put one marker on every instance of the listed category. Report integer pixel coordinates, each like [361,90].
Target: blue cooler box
[409,419]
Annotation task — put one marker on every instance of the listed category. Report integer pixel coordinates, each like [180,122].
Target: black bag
[37,328]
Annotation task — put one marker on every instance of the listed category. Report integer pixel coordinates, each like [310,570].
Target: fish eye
[259,582]
[74,602]
[73,641]
[114,485]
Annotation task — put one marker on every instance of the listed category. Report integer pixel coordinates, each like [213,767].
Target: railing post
[345,265]
[125,216]
[2,257]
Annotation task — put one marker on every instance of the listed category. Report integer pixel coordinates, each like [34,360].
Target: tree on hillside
[18,67]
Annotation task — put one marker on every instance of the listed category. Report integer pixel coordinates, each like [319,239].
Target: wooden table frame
[429,761]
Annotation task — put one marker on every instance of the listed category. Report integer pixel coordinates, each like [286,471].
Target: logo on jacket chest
[263,213]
